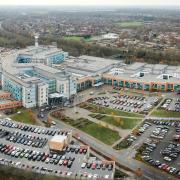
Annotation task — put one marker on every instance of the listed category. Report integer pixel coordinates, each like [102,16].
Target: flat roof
[91,64]
[40,51]
[159,66]
[147,78]
[47,68]
[135,66]
[58,138]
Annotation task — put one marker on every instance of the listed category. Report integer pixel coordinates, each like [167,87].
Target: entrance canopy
[55,99]
[55,95]
[98,84]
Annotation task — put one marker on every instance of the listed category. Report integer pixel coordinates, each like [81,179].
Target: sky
[90,2]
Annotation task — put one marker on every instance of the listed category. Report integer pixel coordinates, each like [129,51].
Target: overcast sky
[90,2]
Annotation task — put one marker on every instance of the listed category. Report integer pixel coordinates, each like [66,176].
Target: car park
[171,104]
[127,103]
[160,149]
[26,146]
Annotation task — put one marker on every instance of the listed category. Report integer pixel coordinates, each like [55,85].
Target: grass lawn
[99,132]
[105,135]
[164,113]
[124,123]
[25,117]
[104,110]
[74,38]
[130,24]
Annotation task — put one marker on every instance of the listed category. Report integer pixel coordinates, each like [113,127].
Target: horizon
[92,3]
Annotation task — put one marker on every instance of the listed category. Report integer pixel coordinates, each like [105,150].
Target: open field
[165,113]
[25,116]
[130,24]
[103,110]
[74,38]
[124,123]
[102,133]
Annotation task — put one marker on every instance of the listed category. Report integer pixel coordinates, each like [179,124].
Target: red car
[65,162]
[84,151]
[93,166]
[80,151]
[165,167]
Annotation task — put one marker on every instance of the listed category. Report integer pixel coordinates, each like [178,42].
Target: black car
[69,164]
[88,165]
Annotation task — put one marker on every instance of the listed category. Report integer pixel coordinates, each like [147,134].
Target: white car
[95,176]
[83,165]
[106,176]
[172,170]
[91,93]
[69,173]
[167,159]
[61,162]
[47,160]
[53,123]
[89,175]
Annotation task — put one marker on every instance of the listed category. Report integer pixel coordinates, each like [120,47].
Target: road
[124,159]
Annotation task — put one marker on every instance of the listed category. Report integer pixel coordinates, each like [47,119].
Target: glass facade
[170,87]
[109,82]
[115,83]
[133,85]
[155,86]
[51,86]
[13,88]
[24,59]
[121,83]
[163,87]
[127,84]
[177,87]
[51,82]
[57,58]
[139,86]
[146,87]
[84,85]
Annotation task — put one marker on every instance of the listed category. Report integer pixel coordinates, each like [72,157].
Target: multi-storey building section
[47,55]
[40,75]
[33,83]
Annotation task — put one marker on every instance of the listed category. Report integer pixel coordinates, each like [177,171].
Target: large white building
[28,75]
[36,76]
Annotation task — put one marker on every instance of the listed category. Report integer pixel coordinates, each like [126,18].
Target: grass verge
[164,113]
[103,110]
[26,116]
[124,123]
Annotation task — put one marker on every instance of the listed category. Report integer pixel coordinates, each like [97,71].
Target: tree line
[77,48]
